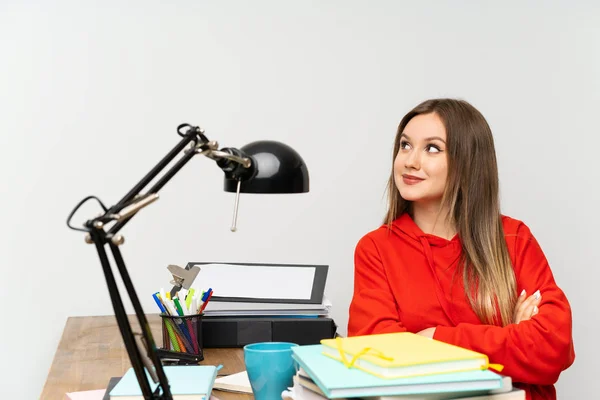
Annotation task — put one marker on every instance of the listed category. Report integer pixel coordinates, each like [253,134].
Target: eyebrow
[429,139]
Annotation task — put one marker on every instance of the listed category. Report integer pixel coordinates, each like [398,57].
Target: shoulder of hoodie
[374,238]
[377,238]
[515,229]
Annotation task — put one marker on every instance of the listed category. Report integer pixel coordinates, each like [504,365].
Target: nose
[413,160]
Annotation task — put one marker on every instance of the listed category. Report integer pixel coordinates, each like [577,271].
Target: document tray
[240,331]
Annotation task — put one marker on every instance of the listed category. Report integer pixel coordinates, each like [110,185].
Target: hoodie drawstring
[439,291]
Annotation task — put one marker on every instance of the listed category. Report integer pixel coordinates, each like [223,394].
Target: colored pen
[189,297]
[167,323]
[206,302]
[180,302]
[159,303]
[170,307]
[164,304]
[178,307]
[205,295]
[200,304]
[186,329]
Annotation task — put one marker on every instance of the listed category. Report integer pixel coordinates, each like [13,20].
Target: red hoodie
[404,281]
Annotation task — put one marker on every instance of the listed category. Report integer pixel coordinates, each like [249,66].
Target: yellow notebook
[403,354]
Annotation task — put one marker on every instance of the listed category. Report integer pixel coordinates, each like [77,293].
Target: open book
[238,383]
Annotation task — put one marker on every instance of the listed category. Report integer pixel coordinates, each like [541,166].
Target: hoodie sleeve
[373,308]
[533,351]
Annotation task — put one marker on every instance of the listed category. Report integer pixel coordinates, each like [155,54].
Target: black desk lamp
[259,167]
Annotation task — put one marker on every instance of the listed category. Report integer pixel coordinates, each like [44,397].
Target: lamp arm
[193,134]
[232,162]
[135,353]
[155,188]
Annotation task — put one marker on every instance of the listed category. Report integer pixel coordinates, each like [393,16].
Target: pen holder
[183,334]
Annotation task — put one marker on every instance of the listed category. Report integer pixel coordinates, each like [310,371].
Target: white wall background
[91,93]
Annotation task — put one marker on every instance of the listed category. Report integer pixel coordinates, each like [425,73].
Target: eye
[432,148]
[404,144]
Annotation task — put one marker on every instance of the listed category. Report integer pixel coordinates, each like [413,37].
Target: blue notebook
[189,382]
[336,380]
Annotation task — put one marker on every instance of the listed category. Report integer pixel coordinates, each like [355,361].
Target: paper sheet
[86,395]
[256,281]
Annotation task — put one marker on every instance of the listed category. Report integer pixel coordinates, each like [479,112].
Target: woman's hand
[526,307]
[428,333]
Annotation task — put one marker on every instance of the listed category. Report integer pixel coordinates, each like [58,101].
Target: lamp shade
[278,169]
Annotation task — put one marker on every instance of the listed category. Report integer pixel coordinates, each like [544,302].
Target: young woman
[447,265]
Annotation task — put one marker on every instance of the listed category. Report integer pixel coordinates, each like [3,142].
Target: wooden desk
[91,351]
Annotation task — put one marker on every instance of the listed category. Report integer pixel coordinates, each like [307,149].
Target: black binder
[240,331]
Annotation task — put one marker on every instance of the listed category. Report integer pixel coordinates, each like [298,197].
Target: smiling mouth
[411,180]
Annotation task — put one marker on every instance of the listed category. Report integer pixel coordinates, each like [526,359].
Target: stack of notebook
[401,366]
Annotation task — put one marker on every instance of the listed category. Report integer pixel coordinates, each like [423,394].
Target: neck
[432,219]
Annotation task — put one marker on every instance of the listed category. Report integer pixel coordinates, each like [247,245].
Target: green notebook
[337,381]
[187,382]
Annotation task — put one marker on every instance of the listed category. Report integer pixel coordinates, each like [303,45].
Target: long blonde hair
[472,198]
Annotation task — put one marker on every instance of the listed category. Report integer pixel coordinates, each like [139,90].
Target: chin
[410,195]
[418,195]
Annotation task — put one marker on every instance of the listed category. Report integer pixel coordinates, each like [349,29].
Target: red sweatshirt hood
[405,226]
[407,229]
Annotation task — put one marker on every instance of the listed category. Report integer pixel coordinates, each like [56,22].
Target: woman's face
[421,166]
